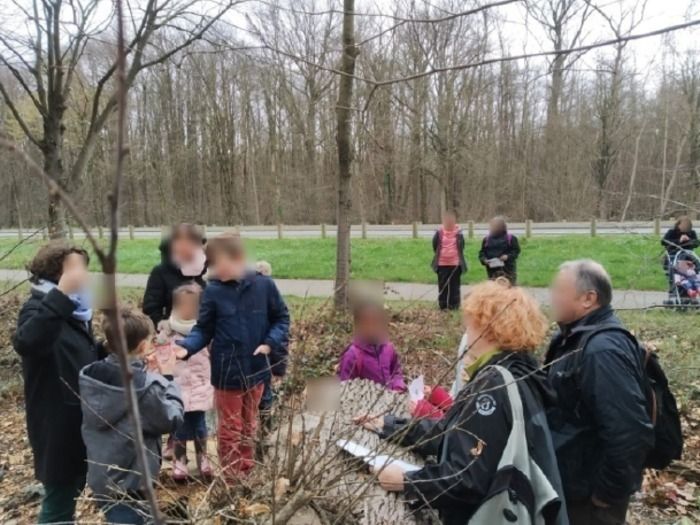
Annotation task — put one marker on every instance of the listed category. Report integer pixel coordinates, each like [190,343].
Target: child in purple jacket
[371,355]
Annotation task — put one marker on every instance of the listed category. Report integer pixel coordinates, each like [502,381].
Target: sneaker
[180,471]
[204,466]
[168,451]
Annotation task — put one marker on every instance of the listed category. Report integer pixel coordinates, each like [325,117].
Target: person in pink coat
[193,376]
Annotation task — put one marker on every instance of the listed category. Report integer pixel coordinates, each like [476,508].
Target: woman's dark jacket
[163,279]
[493,246]
[437,243]
[469,441]
[672,241]
[239,316]
[54,347]
[600,426]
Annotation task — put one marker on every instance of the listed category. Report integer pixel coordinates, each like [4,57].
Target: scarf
[194,267]
[82,300]
[181,327]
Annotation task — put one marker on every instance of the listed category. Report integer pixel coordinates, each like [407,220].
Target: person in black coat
[182,262]
[600,425]
[505,326]
[54,339]
[681,236]
[499,251]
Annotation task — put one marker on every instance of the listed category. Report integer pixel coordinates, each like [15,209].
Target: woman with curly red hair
[495,460]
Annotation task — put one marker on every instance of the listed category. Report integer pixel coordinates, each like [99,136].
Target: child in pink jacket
[193,376]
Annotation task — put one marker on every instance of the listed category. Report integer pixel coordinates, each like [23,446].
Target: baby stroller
[683,272]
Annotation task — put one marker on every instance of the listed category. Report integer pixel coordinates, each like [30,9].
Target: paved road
[376,231]
[622,299]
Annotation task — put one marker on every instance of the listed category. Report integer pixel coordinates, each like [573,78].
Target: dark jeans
[589,514]
[194,426]
[449,280]
[58,503]
[126,513]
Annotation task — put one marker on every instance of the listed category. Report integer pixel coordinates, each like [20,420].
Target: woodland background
[239,128]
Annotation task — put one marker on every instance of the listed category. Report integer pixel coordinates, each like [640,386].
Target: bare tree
[45,61]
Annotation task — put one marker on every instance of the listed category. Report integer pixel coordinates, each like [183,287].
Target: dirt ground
[427,340]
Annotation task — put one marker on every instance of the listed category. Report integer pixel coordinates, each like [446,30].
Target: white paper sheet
[373,459]
[416,389]
[495,263]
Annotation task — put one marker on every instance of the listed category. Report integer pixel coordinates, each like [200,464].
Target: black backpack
[661,404]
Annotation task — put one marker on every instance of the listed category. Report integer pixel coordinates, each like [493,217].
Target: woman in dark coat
[182,262]
[682,235]
[499,251]
[54,338]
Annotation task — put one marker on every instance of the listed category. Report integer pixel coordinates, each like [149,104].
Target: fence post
[131,232]
[415,230]
[100,232]
[20,234]
[470,229]
[71,235]
[44,234]
[364,230]
[279,230]
[528,228]
[204,231]
[594,227]
[657,226]
[323,230]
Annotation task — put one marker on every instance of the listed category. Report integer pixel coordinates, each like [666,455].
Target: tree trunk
[53,165]
[344,142]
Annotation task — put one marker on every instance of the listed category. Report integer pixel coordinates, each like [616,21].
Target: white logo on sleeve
[485,404]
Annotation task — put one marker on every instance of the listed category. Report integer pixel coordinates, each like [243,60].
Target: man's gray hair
[590,277]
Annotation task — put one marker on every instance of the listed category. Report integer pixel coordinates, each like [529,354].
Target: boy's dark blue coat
[239,316]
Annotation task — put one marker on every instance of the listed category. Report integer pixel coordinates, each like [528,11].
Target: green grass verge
[632,260]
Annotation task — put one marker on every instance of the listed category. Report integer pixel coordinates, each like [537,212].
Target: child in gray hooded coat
[114,475]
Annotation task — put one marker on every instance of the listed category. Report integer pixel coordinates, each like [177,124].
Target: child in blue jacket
[244,315]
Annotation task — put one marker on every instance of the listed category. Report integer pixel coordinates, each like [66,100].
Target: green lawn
[632,260]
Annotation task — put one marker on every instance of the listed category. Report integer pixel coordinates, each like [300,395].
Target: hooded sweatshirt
[113,469]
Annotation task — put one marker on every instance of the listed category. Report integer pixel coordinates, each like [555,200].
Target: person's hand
[73,280]
[179,352]
[503,257]
[598,503]
[370,422]
[263,350]
[684,238]
[166,360]
[391,478]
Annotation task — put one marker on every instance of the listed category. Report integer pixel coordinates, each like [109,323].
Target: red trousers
[237,412]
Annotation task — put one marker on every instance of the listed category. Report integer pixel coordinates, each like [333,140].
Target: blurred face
[684,226]
[371,326]
[74,261]
[477,344]
[186,307]
[449,220]
[183,249]
[228,268]
[495,226]
[568,304]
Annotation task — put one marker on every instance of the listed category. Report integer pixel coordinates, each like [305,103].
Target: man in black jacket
[600,426]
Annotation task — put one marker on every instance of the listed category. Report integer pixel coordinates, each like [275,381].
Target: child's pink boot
[180,471]
[204,466]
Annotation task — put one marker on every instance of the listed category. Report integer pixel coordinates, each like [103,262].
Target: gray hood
[107,430]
